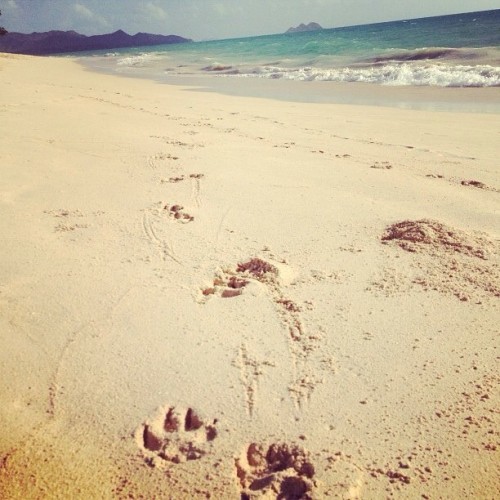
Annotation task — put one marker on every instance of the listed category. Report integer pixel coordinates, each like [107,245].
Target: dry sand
[205,296]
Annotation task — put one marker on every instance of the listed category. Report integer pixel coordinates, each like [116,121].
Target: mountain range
[57,42]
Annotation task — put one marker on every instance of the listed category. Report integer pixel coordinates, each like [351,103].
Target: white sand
[131,364]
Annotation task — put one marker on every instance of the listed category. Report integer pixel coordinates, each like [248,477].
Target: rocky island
[305,27]
[57,42]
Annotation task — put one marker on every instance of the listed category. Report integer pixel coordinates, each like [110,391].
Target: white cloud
[83,11]
[89,18]
[155,11]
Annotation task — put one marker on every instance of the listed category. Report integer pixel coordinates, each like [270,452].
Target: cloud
[155,11]
[88,17]
[83,11]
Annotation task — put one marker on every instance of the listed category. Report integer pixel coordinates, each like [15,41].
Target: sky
[216,19]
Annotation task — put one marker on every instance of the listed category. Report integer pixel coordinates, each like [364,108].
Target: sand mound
[431,236]
[451,261]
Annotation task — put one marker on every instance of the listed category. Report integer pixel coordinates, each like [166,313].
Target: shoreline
[461,100]
[211,295]
[423,98]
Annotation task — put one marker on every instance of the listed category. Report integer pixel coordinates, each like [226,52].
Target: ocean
[416,64]
[461,50]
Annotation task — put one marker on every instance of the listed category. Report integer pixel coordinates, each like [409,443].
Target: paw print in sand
[175,435]
[176,212]
[281,471]
[230,283]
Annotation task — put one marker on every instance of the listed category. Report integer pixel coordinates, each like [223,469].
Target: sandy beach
[227,297]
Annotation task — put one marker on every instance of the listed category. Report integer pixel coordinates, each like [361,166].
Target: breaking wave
[137,60]
[441,75]
[432,53]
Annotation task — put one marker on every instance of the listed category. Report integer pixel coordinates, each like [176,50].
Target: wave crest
[440,75]
[137,60]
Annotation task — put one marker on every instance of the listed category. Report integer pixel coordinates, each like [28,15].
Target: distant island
[57,42]
[305,27]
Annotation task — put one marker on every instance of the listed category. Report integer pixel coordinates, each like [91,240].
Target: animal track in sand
[231,282]
[174,142]
[61,212]
[384,165]
[62,228]
[68,216]
[478,185]
[250,371]
[176,212]
[180,178]
[175,435]
[196,187]
[281,471]
[173,179]
[447,260]
[475,184]
[163,244]
[465,182]
[154,160]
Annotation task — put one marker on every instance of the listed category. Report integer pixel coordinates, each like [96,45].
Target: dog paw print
[175,435]
[384,165]
[175,179]
[67,219]
[231,282]
[176,212]
[282,471]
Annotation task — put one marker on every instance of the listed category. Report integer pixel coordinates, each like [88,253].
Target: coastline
[424,98]
[134,212]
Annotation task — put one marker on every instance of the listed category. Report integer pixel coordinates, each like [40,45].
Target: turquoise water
[448,51]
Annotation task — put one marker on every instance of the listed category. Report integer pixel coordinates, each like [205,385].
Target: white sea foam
[441,75]
[138,60]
